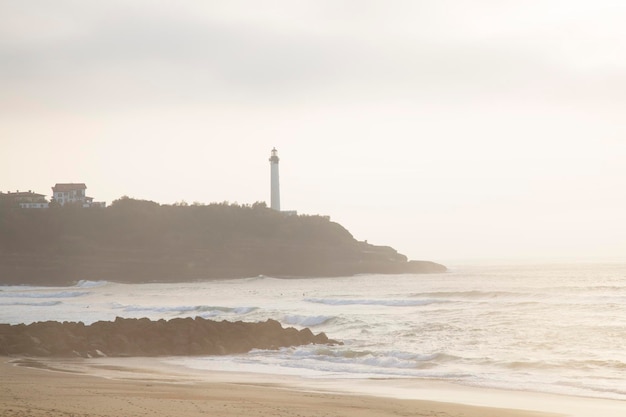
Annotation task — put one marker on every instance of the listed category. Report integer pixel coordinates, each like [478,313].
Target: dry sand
[40,390]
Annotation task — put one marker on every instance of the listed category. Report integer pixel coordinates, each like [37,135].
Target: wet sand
[41,388]
[113,387]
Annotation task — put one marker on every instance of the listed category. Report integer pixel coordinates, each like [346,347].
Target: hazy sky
[447,129]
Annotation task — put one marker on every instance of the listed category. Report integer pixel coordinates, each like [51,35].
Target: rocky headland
[137,241]
[144,337]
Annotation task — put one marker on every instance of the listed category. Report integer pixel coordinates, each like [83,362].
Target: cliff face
[142,241]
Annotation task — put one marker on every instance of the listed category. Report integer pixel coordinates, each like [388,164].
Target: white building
[74,193]
[275,183]
[25,199]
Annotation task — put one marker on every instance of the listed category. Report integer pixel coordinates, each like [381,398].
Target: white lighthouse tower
[275,201]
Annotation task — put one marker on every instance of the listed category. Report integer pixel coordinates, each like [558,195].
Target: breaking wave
[90,284]
[204,311]
[350,362]
[374,302]
[474,294]
[33,294]
[510,328]
[307,321]
[34,304]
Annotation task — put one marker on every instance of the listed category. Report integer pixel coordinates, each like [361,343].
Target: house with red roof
[74,193]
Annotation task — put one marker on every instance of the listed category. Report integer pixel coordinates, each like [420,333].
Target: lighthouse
[275,201]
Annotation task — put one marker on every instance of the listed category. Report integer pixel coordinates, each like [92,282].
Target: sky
[450,130]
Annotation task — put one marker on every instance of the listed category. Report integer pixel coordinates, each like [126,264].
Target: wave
[539,294]
[585,288]
[33,294]
[208,310]
[474,294]
[252,279]
[35,304]
[307,321]
[90,284]
[374,302]
[522,297]
[591,389]
[605,366]
[384,359]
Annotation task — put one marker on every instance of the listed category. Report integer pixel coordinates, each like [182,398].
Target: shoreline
[112,392]
[123,386]
[426,268]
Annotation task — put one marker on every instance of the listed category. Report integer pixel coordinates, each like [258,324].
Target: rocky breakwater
[144,337]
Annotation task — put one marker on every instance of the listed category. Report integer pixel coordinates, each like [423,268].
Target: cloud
[435,110]
[119,54]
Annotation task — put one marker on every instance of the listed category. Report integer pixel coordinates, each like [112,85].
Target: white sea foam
[373,302]
[556,329]
[42,294]
[91,284]
[201,310]
[306,321]
[33,304]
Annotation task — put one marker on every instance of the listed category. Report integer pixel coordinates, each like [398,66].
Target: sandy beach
[39,388]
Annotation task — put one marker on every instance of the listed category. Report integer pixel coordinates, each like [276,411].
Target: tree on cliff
[139,240]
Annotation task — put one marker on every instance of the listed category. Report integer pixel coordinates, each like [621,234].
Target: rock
[143,337]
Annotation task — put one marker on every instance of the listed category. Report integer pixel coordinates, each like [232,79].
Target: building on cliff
[24,199]
[74,193]
[275,185]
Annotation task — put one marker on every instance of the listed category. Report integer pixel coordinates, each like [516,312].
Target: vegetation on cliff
[139,241]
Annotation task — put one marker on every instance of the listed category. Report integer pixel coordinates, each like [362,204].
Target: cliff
[142,241]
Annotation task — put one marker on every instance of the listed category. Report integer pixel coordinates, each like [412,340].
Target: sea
[549,328]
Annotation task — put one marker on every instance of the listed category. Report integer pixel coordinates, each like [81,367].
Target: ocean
[557,328]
